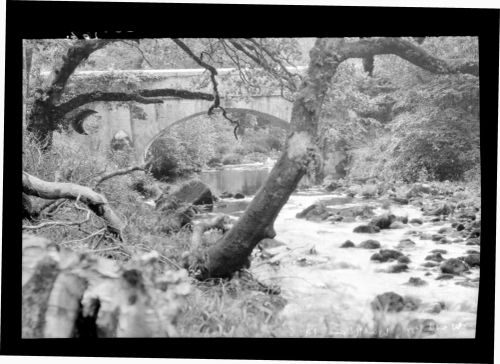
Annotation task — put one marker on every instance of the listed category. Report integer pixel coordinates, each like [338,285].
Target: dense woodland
[371,117]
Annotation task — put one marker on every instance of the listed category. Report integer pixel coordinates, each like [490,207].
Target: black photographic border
[38,19]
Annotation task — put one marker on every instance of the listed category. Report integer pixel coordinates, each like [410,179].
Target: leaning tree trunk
[231,252]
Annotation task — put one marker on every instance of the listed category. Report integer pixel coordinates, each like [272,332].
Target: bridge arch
[270,120]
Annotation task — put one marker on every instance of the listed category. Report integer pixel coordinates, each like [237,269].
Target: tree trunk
[231,252]
[41,123]
[28,57]
[42,120]
[67,294]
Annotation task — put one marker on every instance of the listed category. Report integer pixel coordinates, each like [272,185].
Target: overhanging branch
[407,50]
[141,96]
[213,73]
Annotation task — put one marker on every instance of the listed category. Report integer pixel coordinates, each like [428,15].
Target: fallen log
[34,186]
[67,294]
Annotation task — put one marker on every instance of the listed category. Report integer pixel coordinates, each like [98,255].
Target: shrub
[231,159]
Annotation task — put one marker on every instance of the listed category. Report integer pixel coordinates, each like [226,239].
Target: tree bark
[34,186]
[141,96]
[42,121]
[67,294]
[231,252]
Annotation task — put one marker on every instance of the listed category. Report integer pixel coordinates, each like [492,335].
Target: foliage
[431,130]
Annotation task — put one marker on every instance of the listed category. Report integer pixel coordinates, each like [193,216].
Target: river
[329,289]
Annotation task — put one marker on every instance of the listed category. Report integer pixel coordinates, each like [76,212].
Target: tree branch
[119,172]
[140,50]
[280,74]
[213,73]
[77,53]
[407,50]
[34,186]
[141,96]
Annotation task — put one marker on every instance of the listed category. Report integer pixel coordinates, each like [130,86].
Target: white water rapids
[329,291]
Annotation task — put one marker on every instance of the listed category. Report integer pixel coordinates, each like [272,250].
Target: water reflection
[246,181]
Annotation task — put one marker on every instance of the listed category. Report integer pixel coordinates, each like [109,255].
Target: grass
[216,308]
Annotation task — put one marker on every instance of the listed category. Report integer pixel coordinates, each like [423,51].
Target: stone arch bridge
[144,122]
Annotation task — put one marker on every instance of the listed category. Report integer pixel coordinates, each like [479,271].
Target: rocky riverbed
[411,270]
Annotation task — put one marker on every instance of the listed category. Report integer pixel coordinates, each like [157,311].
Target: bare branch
[55,190]
[140,50]
[213,73]
[52,223]
[120,172]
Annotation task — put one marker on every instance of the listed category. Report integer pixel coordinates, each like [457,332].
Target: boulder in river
[386,255]
[472,242]
[404,259]
[315,212]
[421,327]
[472,251]
[348,244]
[397,268]
[444,209]
[437,237]
[405,244]
[425,236]
[383,221]
[437,307]
[364,211]
[475,233]
[226,194]
[472,260]
[411,303]
[397,225]
[445,276]
[369,244]
[440,251]
[468,283]
[417,282]
[453,266]
[436,257]
[239,195]
[444,241]
[388,302]
[393,302]
[429,264]
[368,229]
[444,230]
[416,221]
